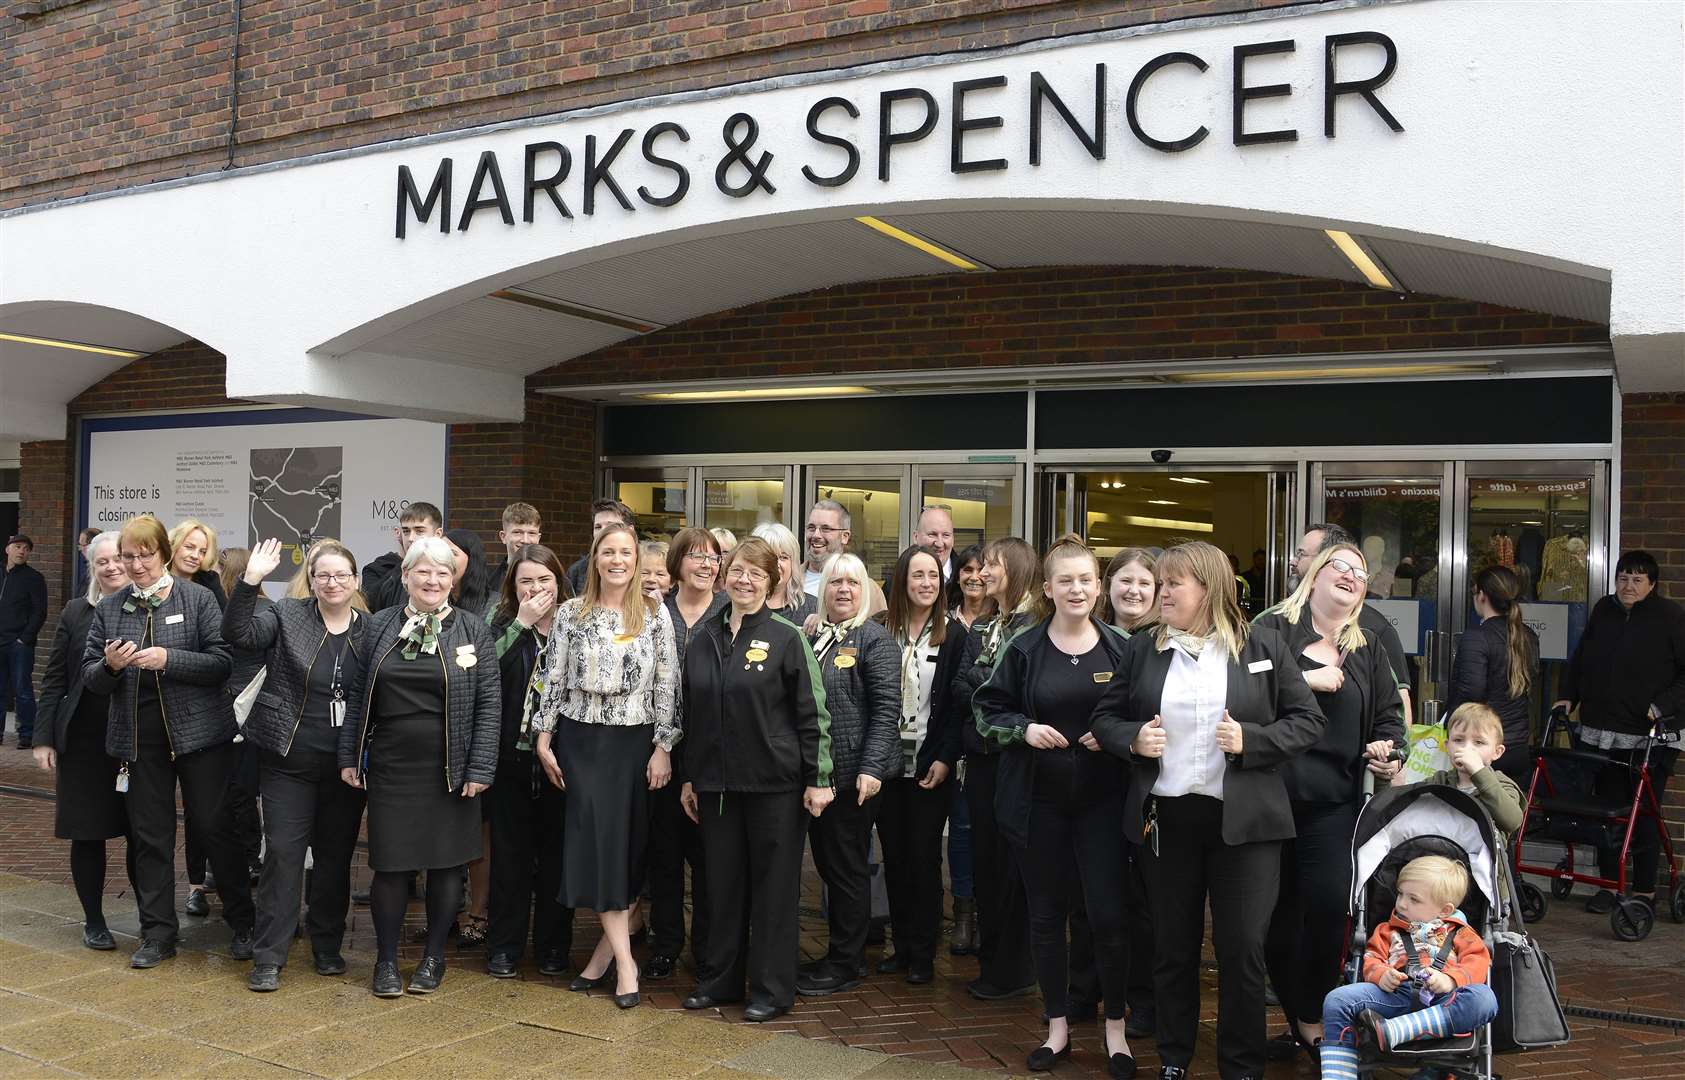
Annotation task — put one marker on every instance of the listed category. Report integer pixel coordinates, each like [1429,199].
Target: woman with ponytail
[1497,665]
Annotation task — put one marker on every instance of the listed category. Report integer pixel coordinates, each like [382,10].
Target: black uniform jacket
[198,713]
[1006,706]
[1267,696]
[289,633]
[61,686]
[861,675]
[754,707]
[473,694]
[972,670]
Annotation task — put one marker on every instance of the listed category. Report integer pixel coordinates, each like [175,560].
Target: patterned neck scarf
[535,689]
[1190,643]
[829,634]
[910,653]
[421,630]
[996,634]
[152,596]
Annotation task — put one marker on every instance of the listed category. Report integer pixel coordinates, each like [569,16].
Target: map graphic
[295,498]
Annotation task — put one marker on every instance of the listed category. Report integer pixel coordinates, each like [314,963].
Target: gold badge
[755,655]
[466,659]
[625,639]
[845,661]
[1102,676]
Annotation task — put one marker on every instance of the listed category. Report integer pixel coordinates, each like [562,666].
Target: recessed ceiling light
[74,346]
[1164,502]
[756,392]
[1365,263]
[1366,372]
[1188,480]
[1169,523]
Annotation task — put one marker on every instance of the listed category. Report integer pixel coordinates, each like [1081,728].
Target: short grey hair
[837,508]
[435,549]
[93,595]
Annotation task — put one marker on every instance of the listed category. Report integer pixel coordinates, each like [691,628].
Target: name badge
[624,639]
[755,655]
[760,645]
[1102,676]
[1259,666]
[844,661]
[171,620]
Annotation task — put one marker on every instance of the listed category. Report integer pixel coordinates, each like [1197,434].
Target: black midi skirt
[89,806]
[414,823]
[607,825]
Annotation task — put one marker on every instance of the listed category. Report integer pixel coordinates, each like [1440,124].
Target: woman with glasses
[194,557]
[315,656]
[968,601]
[756,754]
[1352,679]
[156,648]
[693,562]
[790,599]
[70,740]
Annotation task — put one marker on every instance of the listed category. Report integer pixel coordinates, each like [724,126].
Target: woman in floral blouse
[612,693]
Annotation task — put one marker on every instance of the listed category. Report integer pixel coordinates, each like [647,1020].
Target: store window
[740,505]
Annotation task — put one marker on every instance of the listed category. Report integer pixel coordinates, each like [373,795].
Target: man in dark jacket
[23,611]
[383,585]
[1628,673]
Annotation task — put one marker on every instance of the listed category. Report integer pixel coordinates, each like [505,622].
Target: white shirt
[810,582]
[1195,695]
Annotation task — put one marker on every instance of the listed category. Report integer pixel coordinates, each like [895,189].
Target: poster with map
[295,496]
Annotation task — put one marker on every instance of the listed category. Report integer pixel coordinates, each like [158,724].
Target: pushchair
[1560,807]
[1397,826]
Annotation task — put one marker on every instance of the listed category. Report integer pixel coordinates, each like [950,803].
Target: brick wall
[104,94]
[1060,315]
[1653,483]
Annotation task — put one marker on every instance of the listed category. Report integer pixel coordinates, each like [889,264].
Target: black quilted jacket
[864,700]
[289,634]
[473,699]
[198,713]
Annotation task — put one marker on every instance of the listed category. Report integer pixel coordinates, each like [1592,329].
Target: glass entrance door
[740,497]
[874,496]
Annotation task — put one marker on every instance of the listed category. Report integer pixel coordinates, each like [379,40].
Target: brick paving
[928,1030]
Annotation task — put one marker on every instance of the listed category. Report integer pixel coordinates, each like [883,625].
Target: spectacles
[815,530]
[702,557]
[332,579]
[747,573]
[1341,566]
[137,556]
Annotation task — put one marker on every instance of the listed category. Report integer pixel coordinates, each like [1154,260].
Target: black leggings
[389,897]
[87,871]
[1078,848]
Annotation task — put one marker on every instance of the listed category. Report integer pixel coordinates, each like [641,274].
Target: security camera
[1162,456]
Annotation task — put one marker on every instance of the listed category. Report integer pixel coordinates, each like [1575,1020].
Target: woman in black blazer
[1497,664]
[1350,674]
[1205,713]
[70,738]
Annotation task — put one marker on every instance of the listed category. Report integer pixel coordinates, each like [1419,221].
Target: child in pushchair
[1425,906]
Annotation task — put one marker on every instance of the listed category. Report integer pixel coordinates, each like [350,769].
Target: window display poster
[294,474]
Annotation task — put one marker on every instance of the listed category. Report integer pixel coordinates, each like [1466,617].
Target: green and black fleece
[755,717]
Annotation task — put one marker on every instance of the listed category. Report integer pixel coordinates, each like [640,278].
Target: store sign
[1531,487]
[1406,618]
[552,179]
[1550,622]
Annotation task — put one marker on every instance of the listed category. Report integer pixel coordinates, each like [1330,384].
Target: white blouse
[599,675]
[1195,694]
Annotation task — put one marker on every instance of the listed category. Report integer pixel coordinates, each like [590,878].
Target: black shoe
[428,974]
[198,904]
[659,966]
[500,965]
[892,965]
[825,983]
[1283,1047]
[983,991]
[210,881]
[760,1014]
[1142,1024]
[1371,1025]
[97,937]
[25,744]
[920,973]
[1270,997]
[329,964]
[240,946]
[264,978]
[553,964]
[1172,1072]
[1043,1058]
[1602,902]
[699,1000]
[151,954]
[386,983]
[580,983]
[1120,1067]
[628,1001]
[360,896]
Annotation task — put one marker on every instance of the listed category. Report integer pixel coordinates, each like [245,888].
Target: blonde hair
[1481,717]
[844,564]
[790,592]
[148,534]
[1349,637]
[635,607]
[182,531]
[1069,546]
[1220,610]
[724,537]
[94,596]
[1446,880]
[327,545]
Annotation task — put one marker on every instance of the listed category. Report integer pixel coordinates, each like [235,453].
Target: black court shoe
[580,983]
[1043,1058]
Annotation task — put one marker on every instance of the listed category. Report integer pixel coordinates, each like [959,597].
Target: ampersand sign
[737,153]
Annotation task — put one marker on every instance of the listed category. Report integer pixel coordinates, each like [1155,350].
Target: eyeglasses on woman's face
[137,558]
[747,573]
[1341,566]
[705,558]
[324,578]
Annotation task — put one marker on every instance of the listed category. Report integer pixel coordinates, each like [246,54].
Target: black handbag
[1524,981]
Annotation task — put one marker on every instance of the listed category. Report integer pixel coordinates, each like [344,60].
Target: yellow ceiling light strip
[1367,372]
[1361,259]
[756,392]
[1167,523]
[918,242]
[74,346]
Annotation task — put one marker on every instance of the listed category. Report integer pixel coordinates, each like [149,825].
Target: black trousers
[1616,784]
[1085,988]
[910,823]
[526,813]
[675,840]
[754,852]
[203,776]
[1308,929]
[1003,920]
[1078,850]
[1194,865]
[240,820]
[305,805]
[842,853]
